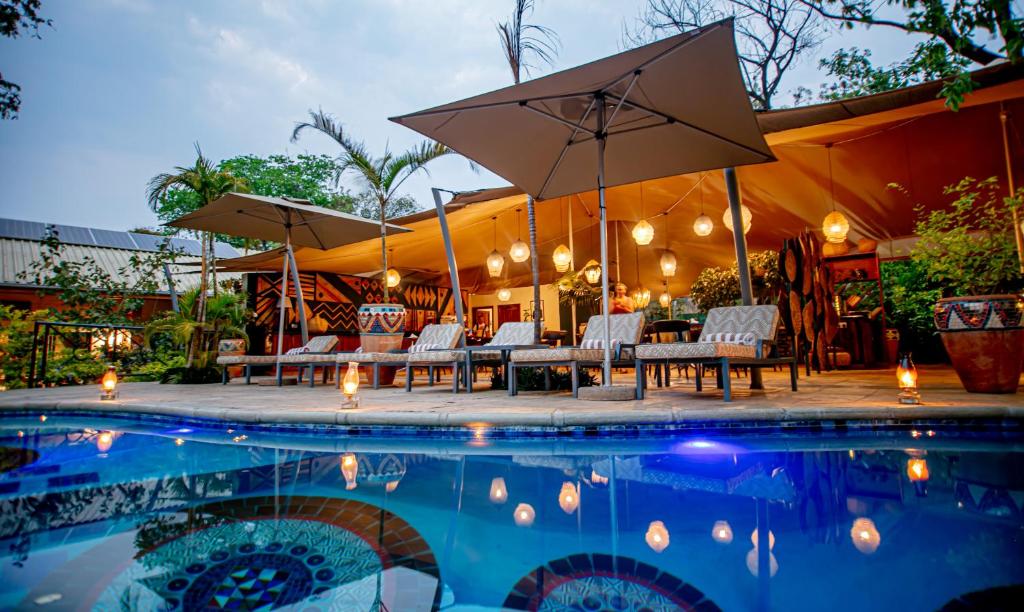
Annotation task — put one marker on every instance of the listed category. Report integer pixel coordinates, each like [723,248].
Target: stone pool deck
[864,395]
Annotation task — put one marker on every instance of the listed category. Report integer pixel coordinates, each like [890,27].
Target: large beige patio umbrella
[671,107]
[286,220]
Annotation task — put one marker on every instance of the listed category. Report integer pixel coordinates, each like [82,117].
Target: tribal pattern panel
[334,299]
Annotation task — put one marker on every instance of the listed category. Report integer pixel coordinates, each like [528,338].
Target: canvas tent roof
[905,137]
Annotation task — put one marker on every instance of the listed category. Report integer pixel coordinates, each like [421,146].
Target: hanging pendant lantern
[393,278]
[641,297]
[519,251]
[562,258]
[643,232]
[495,262]
[835,226]
[703,225]
[504,294]
[592,272]
[665,299]
[744,212]
[668,263]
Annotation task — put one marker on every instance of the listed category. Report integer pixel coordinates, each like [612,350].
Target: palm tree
[524,43]
[208,183]
[226,315]
[381,176]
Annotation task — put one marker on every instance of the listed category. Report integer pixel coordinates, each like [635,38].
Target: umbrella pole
[280,324]
[742,263]
[449,250]
[300,303]
[601,136]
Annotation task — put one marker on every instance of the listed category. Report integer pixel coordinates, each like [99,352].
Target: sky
[120,90]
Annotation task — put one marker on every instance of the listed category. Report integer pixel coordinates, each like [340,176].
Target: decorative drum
[984,337]
[381,328]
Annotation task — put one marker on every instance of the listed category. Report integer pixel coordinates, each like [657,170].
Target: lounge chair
[434,337]
[509,337]
[732,336]
[317,348]
[626,330]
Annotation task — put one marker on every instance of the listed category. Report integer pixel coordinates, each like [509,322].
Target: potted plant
[969,249]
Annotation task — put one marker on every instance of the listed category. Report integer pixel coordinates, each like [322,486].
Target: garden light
[643,232]
[499,493]
[906,375]
[568,498]
[350,385]
[703,225]
[562,258]
[865,536]
[108,385]
[523,515]
[668,263]
[592,272]
[657,536]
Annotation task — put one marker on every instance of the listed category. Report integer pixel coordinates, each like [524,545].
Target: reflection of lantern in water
[104,441]
[499,494]
[349,469]
[597,479]
[523,515]
[771,539]
[569,498]
[657,536]
[721,532]
[773,563]
[391,486]
[917,470]
[179,442]
[865,536]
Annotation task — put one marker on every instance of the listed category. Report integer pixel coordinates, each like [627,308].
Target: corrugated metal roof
[85,236]
[17,255]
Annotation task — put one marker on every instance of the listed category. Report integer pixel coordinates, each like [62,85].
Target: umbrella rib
[517,102]
[671,119]
[629,88]
[312,231]
[565,149]
[569,124]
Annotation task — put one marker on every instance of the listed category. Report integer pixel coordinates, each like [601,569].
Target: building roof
[95,237]
[111,250]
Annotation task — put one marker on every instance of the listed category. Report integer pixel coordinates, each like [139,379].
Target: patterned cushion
[297,350]
[321,344]
[567,353]
[445,336]
[598,343]
[436,357]
[748,338]
[694,350]
[308,358]
[420,347]
[513,334]
[762,321]
[369,357]
[244,359]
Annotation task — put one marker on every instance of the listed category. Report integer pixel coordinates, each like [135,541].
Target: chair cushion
[762,321]
[561,354]
[244,359]
[626,328]
[694,350]
[369,357]
[308,358]
[297,350]
[321,344]
[444,335]
[436,357]
[420,347]
[598,343]
[513,333]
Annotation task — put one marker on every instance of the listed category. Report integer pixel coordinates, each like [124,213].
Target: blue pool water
[111,514]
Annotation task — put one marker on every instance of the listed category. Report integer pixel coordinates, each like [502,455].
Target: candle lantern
[569,498]
[349,469]
[906,375]
[108,385]
[350,385]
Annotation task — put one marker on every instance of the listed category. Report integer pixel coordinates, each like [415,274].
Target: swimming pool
[105,513]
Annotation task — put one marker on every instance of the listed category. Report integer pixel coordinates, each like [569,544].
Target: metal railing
[52,330]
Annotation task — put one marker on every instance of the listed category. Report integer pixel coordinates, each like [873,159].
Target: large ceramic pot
[984,337]
[381,329]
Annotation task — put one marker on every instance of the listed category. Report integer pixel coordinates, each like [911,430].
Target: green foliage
[909,306]
[532,379]
[962,27]
[16,343]
[856,76]
[969,248]
[574,289]
[226,316]
[15,16]
[366,205]
[715,287]
[89,293]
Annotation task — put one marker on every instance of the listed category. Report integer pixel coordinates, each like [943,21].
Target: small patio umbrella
[286,220]
[674,106]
